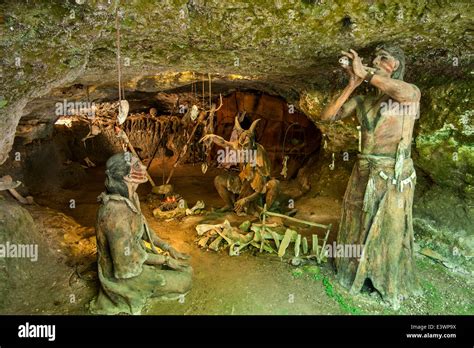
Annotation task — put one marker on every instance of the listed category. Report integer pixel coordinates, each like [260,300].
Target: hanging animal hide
[123,111]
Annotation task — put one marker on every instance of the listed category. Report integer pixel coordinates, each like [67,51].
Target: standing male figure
[377,207]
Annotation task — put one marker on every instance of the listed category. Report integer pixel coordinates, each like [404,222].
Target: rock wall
[21,274]
[444,144]
[287,47]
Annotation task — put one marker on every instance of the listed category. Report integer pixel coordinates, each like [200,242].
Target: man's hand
[357,66]
[177,255]
[240,205]
[177,264]
[354,80]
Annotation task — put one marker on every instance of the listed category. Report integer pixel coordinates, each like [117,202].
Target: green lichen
[467,122]
[344,304]
[297,272]
[432,295]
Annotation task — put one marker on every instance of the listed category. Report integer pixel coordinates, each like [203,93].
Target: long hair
[396,52]
[117,167]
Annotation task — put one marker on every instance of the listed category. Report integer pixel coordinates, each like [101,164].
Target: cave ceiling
[51,49]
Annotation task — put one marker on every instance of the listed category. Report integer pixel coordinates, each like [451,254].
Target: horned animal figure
[253,185]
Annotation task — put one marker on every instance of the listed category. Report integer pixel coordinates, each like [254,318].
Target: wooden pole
[185,148]
[124,136]
[309,223]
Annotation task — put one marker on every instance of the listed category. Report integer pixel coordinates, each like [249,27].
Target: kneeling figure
[130,273]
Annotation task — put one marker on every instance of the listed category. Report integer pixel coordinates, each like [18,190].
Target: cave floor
[252,283]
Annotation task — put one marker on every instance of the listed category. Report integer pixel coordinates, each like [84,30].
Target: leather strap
[369,76]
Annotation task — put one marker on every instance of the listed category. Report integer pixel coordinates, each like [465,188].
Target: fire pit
[171,207]
[170,203]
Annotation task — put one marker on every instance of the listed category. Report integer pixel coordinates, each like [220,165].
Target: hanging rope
[202,90]
[117,30]
[210,90]
[123,103]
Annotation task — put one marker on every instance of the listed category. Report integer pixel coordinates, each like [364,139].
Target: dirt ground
[252,283]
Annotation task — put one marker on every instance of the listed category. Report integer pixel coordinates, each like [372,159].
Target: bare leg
[273,190]
[220,182]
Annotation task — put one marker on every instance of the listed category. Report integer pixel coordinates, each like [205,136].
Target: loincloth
[377,213]
[374,168]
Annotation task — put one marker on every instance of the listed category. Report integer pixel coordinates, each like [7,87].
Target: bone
[89,163]
[20,198]
[6,183]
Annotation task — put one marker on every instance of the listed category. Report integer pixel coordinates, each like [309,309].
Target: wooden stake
[297,245]
[321,253]
[305,245]
[309,223]
[262,231]
[289,234]
[314,246]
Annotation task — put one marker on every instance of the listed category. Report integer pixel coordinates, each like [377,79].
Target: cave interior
[59,111]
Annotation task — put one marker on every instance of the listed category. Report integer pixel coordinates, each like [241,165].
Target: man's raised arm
[341,108]
[401,91]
